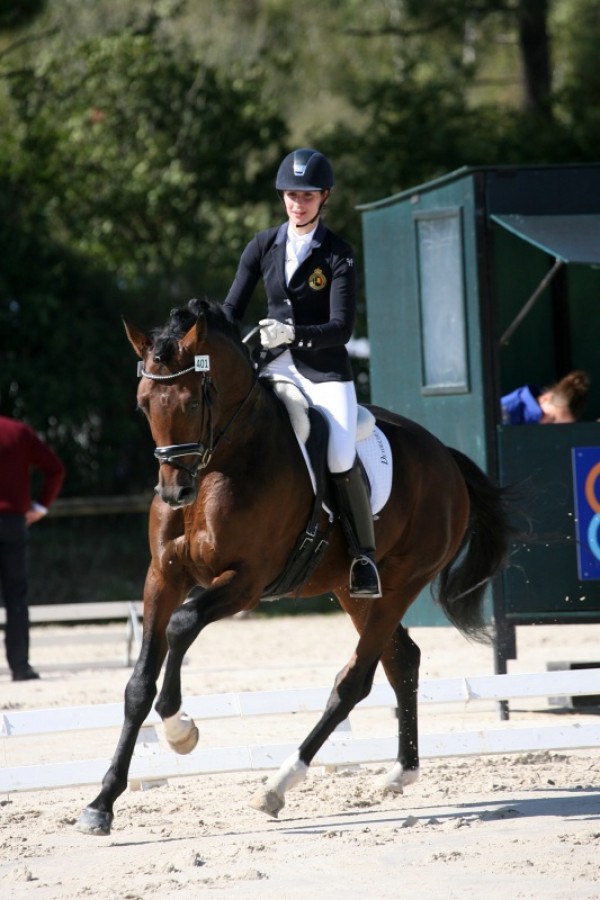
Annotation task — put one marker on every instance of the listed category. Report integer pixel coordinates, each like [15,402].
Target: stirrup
[364,578]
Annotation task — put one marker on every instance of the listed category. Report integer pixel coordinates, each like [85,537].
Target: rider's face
[303,206]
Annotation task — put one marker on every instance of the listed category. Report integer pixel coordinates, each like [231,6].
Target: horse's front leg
[203,606]
[184,627]
[140,691]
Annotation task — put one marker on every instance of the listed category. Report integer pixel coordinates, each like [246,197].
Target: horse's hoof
[394,781]
[268,801]
[93,821]
[186,744]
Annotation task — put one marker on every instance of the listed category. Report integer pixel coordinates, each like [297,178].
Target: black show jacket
[319,301]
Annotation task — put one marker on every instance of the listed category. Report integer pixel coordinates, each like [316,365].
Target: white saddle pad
[374,448]
[376,456]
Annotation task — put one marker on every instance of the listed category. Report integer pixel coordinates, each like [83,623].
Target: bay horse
[232,496]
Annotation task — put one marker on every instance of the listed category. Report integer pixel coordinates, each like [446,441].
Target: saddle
[298,406]
[312,432]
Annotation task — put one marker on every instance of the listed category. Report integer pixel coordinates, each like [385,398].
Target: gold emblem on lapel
[317,280]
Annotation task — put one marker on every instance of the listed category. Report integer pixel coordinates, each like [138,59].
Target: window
[442,304]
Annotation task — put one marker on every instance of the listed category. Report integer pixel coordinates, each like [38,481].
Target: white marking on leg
[178,727]
[270,797]
[397,779]
[290,773]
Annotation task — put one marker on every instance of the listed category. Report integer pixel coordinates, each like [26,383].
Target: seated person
[560,404]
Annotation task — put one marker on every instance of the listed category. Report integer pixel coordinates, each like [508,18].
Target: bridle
[172,452]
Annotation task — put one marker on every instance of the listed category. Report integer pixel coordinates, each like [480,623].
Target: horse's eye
[193,405]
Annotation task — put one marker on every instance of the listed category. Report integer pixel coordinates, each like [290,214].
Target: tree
[141,140]
[461,30]
[534,44]
[163,150]
[17,15]
[134,174]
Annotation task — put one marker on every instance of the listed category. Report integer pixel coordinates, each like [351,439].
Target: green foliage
[16,15]
[578,104]
[141,141]
[136,150]
[418,132]
[134,174]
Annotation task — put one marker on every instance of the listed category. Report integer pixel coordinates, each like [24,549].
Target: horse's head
[194,377]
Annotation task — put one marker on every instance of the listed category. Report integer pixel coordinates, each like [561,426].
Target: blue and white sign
[586,484]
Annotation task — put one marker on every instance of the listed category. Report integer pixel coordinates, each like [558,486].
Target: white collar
[299,239]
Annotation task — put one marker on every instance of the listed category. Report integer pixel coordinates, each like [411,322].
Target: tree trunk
[535,56]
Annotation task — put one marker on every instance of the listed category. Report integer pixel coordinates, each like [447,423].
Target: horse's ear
[138,340]
[195,335]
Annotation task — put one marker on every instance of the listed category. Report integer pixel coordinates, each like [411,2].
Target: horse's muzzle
[177,495]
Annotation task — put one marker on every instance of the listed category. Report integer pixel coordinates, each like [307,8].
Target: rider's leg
[357,519]
[338,402]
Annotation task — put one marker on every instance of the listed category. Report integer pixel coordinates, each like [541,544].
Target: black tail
[461,585]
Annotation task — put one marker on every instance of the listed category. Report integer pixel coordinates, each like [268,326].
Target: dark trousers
[13,585]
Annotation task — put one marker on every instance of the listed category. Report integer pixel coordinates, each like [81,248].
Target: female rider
[309,278]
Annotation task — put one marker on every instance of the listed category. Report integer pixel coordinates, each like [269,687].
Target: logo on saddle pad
[317,280]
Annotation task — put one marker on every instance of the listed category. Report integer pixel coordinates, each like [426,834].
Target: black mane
[166,338]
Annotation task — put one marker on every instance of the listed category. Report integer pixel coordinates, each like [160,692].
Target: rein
[172,452]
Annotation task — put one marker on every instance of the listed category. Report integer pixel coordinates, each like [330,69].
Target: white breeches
[336,400]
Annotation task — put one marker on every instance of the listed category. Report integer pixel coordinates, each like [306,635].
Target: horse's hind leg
[401,660]
[352,684]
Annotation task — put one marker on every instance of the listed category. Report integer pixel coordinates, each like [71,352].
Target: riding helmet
[304,170]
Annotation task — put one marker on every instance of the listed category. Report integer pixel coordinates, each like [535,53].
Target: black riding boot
[357,520]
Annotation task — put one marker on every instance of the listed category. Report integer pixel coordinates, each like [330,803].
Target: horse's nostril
[176,496]
[186,494]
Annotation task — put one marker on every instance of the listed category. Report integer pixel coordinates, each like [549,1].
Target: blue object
[586,477]
[521,406]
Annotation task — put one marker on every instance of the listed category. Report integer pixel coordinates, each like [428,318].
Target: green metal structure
[476,283]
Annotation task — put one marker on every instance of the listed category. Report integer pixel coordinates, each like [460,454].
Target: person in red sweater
[21,450]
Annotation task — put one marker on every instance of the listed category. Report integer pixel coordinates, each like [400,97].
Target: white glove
[274,333]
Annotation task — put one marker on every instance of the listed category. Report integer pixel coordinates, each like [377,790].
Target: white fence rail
[341,749]
[128,611]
